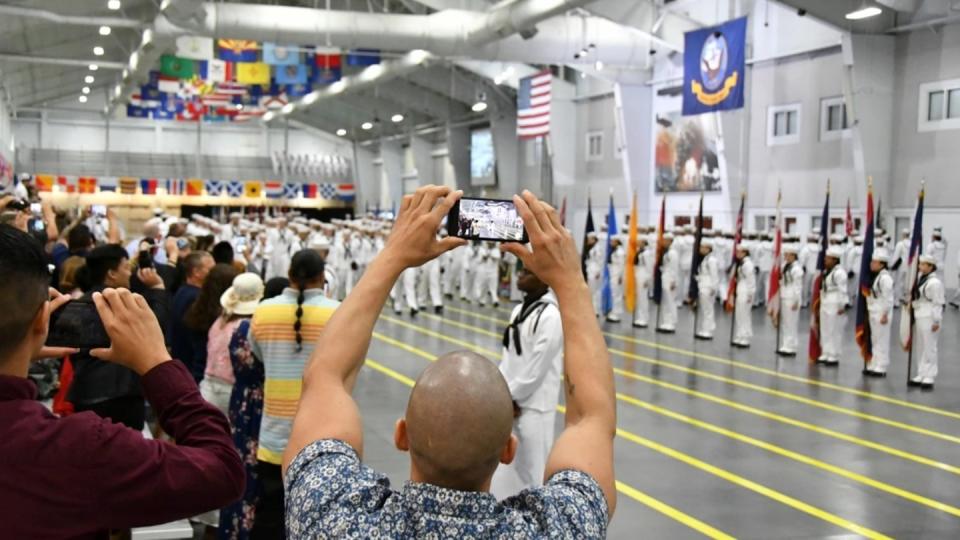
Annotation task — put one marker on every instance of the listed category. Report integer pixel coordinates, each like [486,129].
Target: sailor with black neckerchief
[928,301]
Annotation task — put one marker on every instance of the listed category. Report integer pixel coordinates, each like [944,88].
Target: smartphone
[99,210]
[486,219]
[38,225]
[78,325]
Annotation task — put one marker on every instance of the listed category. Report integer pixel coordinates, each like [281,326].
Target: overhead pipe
[929,23]
[53,61]
[79,20]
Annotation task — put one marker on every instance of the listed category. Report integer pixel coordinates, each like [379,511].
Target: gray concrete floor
[720,441]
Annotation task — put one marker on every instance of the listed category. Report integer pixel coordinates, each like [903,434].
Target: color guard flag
[730,302]
[630,288]
[587,229]
[612,230]
[773,288]
[693,290]
[865,288]
[916,248]
[813,345]
[848,222]
[658,260]
[713,68]
[563,211]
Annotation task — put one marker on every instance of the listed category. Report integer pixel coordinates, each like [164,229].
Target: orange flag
[631,286]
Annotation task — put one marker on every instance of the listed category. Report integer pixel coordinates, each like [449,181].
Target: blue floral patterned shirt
[331,494]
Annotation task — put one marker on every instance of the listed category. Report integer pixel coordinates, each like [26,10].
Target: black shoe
[914,383]
[926,386]
[878,374]
[666,330]
[867,372]
[448,296]
[496,304]
[638,325]
[438,310]
[786,353]
[703,337]
[413,313]
[741,345]
[955,305]
[831,363]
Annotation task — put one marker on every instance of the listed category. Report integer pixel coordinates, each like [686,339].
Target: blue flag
[713,68]
[607,286]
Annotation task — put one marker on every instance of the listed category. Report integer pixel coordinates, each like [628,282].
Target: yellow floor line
[760,489]
[758,388]
[749,367]
[622,487]
[796,456]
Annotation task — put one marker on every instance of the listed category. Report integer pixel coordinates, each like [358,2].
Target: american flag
[533,106]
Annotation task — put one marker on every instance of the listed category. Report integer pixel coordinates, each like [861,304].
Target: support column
[423,160]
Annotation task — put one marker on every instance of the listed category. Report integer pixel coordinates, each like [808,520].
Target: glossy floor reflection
[722,442]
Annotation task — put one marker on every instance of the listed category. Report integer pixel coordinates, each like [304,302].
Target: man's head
[833,255]
[151,230]
[108,266]
[80,239]
[24,279]
[705,247]
[223,253]
[458,423]
[529,283]
[177,230]
[742,252]
[927,264]
[879,260]
[196,266]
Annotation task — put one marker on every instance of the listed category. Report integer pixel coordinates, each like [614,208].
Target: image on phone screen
[486,219]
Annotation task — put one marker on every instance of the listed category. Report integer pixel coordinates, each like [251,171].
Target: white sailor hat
[880,255]
[791,249]
[928,259]
[743,246]
[668,236]
[235,215]
[320,242]
[858,238]
[592,234]
[836,237]
[706,243]
[835,251]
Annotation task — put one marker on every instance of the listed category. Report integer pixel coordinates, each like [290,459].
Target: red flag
[729,303]
[658,260]
[773,290]
[813,345]
[865,286]
[849,221]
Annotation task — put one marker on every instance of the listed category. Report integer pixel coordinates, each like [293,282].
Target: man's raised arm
[586,443]
[327,410]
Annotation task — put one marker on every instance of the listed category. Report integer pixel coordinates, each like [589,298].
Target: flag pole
[694,302]
[913,320]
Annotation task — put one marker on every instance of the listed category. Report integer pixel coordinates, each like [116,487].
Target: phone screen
[486,219]
[38,225]
[78,325]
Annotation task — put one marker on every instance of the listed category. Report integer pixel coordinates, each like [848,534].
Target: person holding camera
[108,389]
[82,475]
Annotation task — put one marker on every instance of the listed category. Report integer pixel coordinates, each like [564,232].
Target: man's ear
[509,451]
[40,325]
[400,436]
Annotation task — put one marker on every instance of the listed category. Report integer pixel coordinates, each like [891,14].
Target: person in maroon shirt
[77,477]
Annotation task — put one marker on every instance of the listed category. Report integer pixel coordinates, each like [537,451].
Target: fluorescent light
[337,87]
[83,99]
[864,13]
[113,4]
[372,72]
[268,116]
[117,90]
[366,126]
[598,65]
[417,56]
[310,98]
[288,108]
[94,67]
[479,106]
[397,118]
[104,30]
[341,132]
[98,50]
[88,79]
[85,89]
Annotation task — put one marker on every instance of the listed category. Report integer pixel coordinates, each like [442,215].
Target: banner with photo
[687,151]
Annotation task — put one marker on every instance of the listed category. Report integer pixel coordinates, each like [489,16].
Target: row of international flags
[864,288]
[235,80]
[271,189]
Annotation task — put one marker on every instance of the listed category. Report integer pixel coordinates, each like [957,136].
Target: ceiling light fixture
[341,132]
[98,50]
[479,106]
[366,126]
[85,89]
[598,65]
[397,118]
[310,98]
[417,56]
[94,67]
[337,87]
[269,116]
[104,30]
[288,108]
[372,72]
[113,4]
[88,79]
[83,99]
[864,12]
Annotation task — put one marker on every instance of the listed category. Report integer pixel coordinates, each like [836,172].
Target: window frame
[588,148]
[791,138]
[947,122]
[827,134]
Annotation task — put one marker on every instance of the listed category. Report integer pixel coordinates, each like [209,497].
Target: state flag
[237,50]
[363,57]
[253,188]
[217,71]
[291,74]
[281,55]
[174,66]
[253,73]
[195,47]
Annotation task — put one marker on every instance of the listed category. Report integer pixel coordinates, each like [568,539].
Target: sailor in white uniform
[791,291]
[531,364]
[708,279]
[643,274]
[745,292]
[833,302]
[880,308]
[898,266]
[594,267]
[617,266]
[937,248]
[928,301]
[669,275]
[486,281]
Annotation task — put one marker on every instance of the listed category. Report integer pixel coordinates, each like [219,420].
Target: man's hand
[150,278]
[56,301]
[136,340]
[554,258]
[936,327]
[414,237]
[885,319]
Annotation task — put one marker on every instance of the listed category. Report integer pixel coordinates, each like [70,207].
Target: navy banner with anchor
[713,68]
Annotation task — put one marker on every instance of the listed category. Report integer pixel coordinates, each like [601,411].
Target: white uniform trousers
[641,310]
[880,343]
[467,276]
[406,296]
[485,285]
[743,329]
[616,290]
[534,429]
[926,348]
[706,320]
[808,278]
[432,278]
[595,284]
[831,331]
[668,308]
[763,280]
[789,319]
[900,285]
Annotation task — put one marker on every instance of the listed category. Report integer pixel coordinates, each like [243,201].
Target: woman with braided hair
[282,335]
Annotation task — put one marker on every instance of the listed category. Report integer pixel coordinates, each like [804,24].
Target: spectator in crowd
[77,477]
[458,421]
[246,411]
[109,389]
[223,253]
[283,333]
[183,342]
[69,285]
[204,312]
